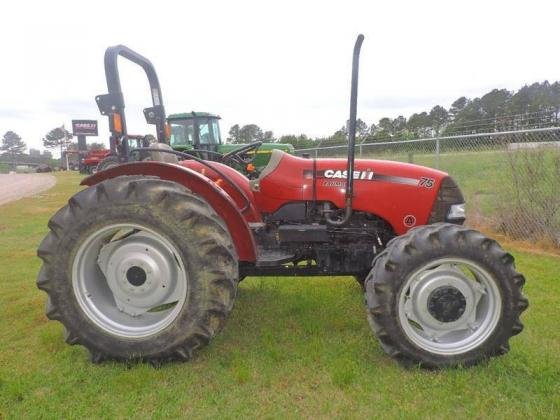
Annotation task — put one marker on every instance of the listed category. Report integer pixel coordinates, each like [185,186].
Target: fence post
[316,153]
[360,149]
[437,152]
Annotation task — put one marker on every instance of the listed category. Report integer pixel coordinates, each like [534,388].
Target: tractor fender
[220,201]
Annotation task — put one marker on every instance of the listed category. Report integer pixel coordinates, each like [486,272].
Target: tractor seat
[162,156]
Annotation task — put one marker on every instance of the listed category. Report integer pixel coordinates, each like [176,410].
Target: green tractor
[199,133]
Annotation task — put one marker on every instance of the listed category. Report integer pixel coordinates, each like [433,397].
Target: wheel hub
[447,304]
[136,276]
[140,272]
[129,279]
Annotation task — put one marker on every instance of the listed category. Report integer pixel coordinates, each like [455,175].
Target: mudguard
[221,202]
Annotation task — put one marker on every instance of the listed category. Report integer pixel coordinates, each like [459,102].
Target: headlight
[449,205]
[456,212]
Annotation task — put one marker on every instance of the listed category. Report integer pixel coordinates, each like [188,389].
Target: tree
[419,124]
[250,133]
[233,135]
[468,119]
[90,146]
[555,98]
[521,101]
[386,124]
[57,137]
[385,128]
[362,129]
[457,107]
[268,136]
[339,136]
[95,146]
[12,144]
[438,116]
[289,139]
[399,124]
[299,142]
[494,103]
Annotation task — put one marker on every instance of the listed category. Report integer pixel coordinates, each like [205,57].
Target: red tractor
[145,262]
[92,159]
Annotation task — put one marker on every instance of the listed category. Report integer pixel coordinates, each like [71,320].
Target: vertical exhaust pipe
[351,137]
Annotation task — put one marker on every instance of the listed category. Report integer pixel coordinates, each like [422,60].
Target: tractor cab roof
[191,115]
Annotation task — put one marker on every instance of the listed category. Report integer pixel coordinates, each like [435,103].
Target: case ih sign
[84,127]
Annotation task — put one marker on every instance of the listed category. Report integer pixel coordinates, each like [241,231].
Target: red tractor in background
[145,262]
[92,159]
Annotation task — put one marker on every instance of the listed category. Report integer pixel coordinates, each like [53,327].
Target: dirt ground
[16,186]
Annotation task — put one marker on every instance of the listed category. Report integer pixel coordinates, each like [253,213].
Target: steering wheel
[240,154]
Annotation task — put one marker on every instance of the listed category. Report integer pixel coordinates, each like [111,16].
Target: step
[272,257]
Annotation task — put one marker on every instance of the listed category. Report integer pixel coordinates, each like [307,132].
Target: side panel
[220,201]
[401,193]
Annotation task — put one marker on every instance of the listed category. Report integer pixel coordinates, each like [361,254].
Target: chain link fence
[510,179]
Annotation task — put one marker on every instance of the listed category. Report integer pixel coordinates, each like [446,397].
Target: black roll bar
[113,102]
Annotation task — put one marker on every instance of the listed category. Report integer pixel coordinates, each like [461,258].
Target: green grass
[293,347]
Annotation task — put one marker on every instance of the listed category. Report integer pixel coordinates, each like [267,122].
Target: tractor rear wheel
[108,162]
[444,295]
[138,268]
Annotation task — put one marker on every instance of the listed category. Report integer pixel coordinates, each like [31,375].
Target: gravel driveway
[16,186]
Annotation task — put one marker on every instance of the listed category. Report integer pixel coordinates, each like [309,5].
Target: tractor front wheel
[138,268]
[444,295]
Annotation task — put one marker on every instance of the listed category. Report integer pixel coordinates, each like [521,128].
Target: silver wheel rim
[449,306]
[129,280]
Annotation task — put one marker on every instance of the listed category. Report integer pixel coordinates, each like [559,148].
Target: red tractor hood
[403,194]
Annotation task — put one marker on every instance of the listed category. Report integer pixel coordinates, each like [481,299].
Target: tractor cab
[198,133]
[195,131]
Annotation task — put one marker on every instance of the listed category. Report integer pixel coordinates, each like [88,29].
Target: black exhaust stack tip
[351,136]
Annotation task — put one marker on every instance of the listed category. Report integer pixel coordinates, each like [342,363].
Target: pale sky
[284,65]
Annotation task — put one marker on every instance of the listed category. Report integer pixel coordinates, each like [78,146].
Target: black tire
[108,162]
[406,254]
[187,221]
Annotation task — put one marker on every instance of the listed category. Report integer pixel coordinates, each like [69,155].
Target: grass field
[292,348]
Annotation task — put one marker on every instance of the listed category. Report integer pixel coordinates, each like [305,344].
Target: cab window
[182,133]
[216,131]
[204,131]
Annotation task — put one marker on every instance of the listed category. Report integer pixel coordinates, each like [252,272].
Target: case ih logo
[338,174]
[369,175]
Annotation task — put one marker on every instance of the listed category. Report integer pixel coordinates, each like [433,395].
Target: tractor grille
[448,194]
